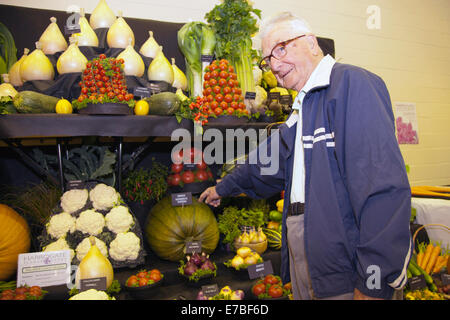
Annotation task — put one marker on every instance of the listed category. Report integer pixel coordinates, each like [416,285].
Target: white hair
[298,24]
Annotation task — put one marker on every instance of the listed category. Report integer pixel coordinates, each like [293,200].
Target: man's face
[293,70]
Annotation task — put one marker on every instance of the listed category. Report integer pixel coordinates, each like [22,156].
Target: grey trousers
[298,267]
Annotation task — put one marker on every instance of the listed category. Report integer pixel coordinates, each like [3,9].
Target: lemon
[63,106]
[141,108]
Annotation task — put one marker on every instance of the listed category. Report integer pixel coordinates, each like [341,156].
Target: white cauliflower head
[125,246]
[119,219]
[60,244]
[74,200]
[103,197]
[60,224]
[83,248]
[90,222]
[91,294]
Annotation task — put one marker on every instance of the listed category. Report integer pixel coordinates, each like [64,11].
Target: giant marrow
[163,103]
[34,102]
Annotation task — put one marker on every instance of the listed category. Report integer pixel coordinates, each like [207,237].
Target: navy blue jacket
[357,194]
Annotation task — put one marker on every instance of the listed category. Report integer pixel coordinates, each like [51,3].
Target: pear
[133,63]
[72,60]
[120,34]
[102,16]
[52,40]
[14,73]
[160,68]
[179,78]
[150,47]
[95,265]
[87,36]
[37,66]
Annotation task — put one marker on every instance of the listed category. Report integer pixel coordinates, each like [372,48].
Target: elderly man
[347,197]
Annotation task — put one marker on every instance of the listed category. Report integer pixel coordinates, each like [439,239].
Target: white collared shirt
[319,77]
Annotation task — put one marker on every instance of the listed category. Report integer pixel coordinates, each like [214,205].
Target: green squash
[168,228]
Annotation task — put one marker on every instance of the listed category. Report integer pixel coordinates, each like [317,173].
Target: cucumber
[34,102]
[163,104]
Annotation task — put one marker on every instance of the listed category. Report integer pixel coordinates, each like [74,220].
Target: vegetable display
[8,291]
[169,227]
[8,50]
[197,266]
[226,293]
[144,278]
[271,287]
[234,23]
[244,257]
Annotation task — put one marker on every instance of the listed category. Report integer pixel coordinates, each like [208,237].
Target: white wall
[411,52]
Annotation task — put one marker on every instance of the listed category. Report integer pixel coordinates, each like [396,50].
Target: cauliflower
[83,248]
[125,246]
[92,294]
[103,197]
[91,222]
[60,244]
[60,224]
[119,219]
[74,200]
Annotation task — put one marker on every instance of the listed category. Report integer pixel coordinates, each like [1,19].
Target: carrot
[427,255]
[439,264]
[433,257]
[421,253]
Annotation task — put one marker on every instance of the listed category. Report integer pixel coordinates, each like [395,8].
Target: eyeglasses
[278,52]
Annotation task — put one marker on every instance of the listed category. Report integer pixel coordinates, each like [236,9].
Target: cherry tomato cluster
[144,278]
[271,287]
[200,111]
[184,174]
[23,293]
[221,90]
[104,79]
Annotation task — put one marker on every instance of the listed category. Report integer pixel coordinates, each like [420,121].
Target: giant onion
[52,40]
[133,63]
[14,72]
[72,60]
[36,66]
[160,68]
[102,16]
[120,34]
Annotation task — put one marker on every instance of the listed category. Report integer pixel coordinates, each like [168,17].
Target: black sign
[72,24]
[286,99]
[210,290]
[93,283]
[181,199]
[156,87]
[260,269]
[142,92]
[250,95]
[75,184]
[274,96]
[417,283]
[445,278]
[193,246]
[207,58]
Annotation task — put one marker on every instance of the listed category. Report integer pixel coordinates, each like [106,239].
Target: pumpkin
[169,228]
[14,239]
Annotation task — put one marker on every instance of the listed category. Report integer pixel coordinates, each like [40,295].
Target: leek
[194,40]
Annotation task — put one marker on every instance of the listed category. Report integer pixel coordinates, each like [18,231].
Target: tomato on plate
[188,176]
[258,289]
[176,168]
[132,281]
[143,281]
[202,165]
[155,276]
[275,291]
[201,175]
[271,279]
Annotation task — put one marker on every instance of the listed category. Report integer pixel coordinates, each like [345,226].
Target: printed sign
[142,92]
[250,95]
[93,283]
[406,123]
[44,269]
[75,184]
[207,58]
[260,269]
[417,283]
[210,290]
[193,246]
[181,199]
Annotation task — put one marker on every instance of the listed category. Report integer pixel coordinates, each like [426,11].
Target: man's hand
[358,295]
[210,197]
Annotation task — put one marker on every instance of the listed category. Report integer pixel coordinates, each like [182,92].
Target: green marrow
[163,104]
[34,102]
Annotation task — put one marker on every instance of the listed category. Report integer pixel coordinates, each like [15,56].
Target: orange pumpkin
[14,239]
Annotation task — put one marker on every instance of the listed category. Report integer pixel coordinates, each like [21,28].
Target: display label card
[189,166]
[75,184]
[210,290]
[417,283]
[445,278]
[286,99]
[193,246]
[260,269]
[142,92]
[181,199]
[250,95]
[44,269]
[154,88]
[274,96]
[207,58]
[93,283]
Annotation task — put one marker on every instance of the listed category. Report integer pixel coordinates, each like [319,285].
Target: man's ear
[313,44]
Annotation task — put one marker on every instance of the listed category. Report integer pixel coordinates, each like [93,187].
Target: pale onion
[133,63]
[14,73]
[150,47]
[160,68]
[52,40]
[179,78]
[72,60]
[6,89]
[102,16]
[87,36]
[36,66]
[120,34]
[95,265]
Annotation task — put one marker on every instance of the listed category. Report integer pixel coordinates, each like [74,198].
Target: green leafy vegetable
[8,50]
[7,105]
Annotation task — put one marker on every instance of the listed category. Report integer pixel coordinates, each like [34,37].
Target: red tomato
[228,98]
[271,279]
[234,105]
[242,106]
[237,97]
[218,111]
[210,174]
[174,179]
[202,165]
[219,97]
[176,168]
[222,82]
[21,290]
[223,74]
[132,281]
[155,276]
[230,111]
[207,76]
[35,291]
[226,90]
[102,56]
[214,105]
[212,82]
[224,105]
[143,281]
[201,175]
[233,76]
[217,89]
[142,274]
[20,297]
[215,74]
[111,94]
[188,176]
[275,291]
[230,69]
[258,289]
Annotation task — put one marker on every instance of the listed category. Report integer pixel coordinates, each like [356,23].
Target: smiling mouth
[282,76]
